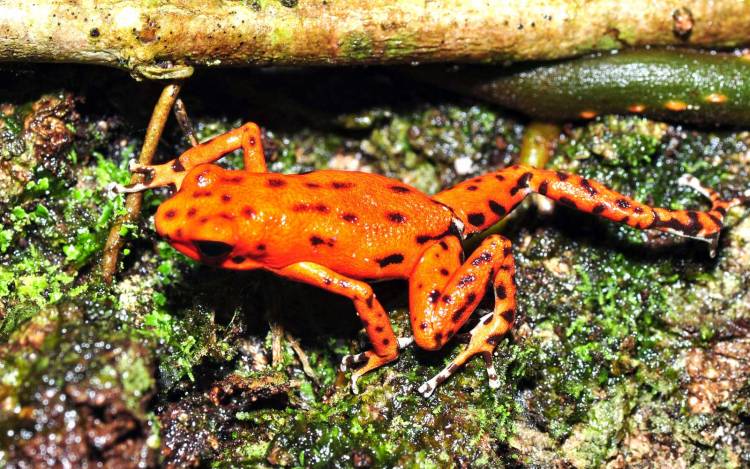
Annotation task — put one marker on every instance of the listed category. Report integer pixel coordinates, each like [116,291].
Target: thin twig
[302,357]
[182,118]
[133,201]
[277,333]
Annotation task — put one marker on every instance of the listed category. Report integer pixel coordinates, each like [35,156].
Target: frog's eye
[213,248]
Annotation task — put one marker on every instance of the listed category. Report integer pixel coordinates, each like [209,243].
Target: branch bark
[164,39]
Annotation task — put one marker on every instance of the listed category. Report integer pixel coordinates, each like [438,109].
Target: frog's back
[359,224]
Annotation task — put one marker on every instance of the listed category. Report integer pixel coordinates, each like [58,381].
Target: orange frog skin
[338,229]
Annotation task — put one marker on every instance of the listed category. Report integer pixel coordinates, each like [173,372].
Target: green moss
[357,45]
[438,136]
[399,46]
[595,441]
[608,317]
[32,274]
[607,42]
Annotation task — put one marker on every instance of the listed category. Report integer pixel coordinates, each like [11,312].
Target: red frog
[338,230]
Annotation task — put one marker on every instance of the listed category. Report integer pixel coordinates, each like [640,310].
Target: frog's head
[205,220]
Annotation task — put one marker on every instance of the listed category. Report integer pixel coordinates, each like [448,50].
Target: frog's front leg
[443,293]
[173,172]
[385,345]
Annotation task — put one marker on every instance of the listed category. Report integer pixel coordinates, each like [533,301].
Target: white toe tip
[426,389]
[404,342]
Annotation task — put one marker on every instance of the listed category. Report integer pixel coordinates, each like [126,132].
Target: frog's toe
[372,362]
[493,380]
[404,342]
[428,387]
[135,167]
[127,189]
[350,360]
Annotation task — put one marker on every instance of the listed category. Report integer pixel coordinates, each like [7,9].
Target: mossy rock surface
[630,348]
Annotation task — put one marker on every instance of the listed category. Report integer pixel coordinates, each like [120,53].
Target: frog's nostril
[213,248]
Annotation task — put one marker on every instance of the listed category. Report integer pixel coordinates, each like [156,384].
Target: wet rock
[717,375]
[34,137]
[196,428]
[75,395]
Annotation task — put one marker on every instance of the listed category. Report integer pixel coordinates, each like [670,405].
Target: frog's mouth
[209,252]
[213,249]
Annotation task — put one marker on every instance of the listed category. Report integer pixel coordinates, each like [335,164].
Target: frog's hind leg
[385,345]
[444,291]
[480,202]
[173,172]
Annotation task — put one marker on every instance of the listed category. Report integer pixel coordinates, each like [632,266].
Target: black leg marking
[482,259]
[433,297]
[587,185]
[465,280]
[543,187]
[457,315]
[476,219]
[523,183]
[497,209]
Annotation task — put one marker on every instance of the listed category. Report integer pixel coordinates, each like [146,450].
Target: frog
[341,230]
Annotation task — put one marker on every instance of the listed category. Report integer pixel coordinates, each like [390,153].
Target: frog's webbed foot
[371,361]
[710,232]
[170,173]
[134,167]
[429,386]
[478,345]
[717,202]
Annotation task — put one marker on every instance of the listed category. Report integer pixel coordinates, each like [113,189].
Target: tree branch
[163,39]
